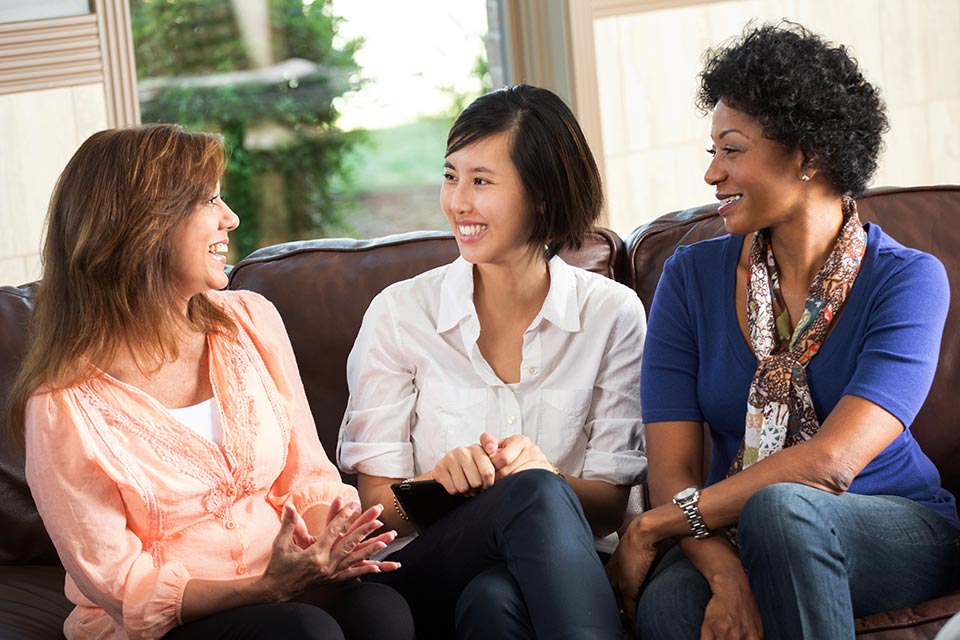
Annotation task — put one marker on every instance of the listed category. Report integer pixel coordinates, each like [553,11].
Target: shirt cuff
[625,468]
[320,493]
[384,459]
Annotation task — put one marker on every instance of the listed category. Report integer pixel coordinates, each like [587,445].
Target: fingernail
[353,506]
[378,523]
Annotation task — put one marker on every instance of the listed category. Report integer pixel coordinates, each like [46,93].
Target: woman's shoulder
[894,259]
[248,307]
[705,252]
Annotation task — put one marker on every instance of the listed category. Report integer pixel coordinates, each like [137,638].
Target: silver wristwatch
[687,500]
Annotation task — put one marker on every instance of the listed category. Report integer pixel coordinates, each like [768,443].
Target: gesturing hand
[339,553]
[465,471]
[513,453]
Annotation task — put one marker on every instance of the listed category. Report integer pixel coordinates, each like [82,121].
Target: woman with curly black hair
[809,358]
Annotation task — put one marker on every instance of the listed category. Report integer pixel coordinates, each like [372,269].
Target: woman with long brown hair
[169,444]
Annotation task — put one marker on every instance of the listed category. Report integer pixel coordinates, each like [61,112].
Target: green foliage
[406,156]
[287,178]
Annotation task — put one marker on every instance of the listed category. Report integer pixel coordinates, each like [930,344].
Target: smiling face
[485,202]
[758,181]
[200,246]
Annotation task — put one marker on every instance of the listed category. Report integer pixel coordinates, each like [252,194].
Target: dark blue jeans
[516,561]
[814,560]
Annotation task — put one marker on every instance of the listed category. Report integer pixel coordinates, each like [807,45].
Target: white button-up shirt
[419,385]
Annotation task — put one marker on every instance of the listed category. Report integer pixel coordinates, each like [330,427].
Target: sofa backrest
[926,218]
[323,287]
[23,539]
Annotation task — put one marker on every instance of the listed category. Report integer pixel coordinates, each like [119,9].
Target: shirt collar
[456,295]
[561,306]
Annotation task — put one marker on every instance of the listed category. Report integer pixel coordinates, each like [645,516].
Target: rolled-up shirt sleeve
[83,512]
[375,432]
[615,448]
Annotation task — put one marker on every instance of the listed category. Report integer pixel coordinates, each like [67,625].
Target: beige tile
[32,267]
[90,111]
[940,30]
[13,271]
[610,84]
[906,159]
[618,188]
[904,77]
[944,123]
[40,131]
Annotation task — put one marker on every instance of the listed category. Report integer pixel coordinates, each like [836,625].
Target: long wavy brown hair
[107,281]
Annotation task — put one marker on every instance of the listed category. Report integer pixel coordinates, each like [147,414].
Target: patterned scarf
[779,407]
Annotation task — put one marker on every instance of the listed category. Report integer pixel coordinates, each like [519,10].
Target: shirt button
[230,525]
[241,569]
[533,371]
[512,419]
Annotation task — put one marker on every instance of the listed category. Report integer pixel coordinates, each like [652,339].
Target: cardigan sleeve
[308,478]
[83,512]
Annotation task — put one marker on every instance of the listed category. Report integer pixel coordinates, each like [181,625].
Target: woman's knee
[299,621]
[490,601]
[536,482]
[782,515]
[370,610]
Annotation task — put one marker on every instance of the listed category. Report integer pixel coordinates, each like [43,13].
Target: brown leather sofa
[322,288]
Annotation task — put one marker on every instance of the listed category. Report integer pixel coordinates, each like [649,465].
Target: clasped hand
[471,470]
[339,553]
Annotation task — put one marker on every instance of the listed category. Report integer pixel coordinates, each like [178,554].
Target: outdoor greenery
[287,176]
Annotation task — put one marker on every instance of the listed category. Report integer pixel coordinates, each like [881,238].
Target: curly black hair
[806,93]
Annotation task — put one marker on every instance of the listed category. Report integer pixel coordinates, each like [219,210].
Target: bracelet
[396,505]
[557,471]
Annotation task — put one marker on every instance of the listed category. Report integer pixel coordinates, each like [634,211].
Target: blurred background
[336,111]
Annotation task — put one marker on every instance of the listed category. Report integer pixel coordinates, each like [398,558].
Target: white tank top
[203,419]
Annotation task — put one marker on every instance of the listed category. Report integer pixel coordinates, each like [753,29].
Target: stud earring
[805,178]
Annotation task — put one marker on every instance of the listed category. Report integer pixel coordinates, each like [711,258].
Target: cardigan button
[241,569]
[230,525]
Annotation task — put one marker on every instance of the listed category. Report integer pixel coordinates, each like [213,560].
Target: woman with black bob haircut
[807,341]
[509,376]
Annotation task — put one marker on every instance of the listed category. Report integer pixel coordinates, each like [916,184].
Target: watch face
[685,494]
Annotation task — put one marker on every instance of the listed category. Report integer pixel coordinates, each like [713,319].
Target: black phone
[425,501]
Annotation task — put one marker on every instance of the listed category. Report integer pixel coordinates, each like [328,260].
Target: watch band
[691,511]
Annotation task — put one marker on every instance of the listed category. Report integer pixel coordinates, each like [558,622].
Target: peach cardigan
[137,504]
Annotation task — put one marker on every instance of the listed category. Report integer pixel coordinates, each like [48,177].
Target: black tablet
[425,501]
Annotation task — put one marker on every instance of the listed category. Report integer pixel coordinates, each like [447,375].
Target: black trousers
[516,561]
[349,611]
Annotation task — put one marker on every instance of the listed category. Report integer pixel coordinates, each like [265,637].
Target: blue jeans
[516,561]
[815,561]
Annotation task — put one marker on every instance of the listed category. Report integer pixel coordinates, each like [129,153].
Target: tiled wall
[654,140]
[39,132]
